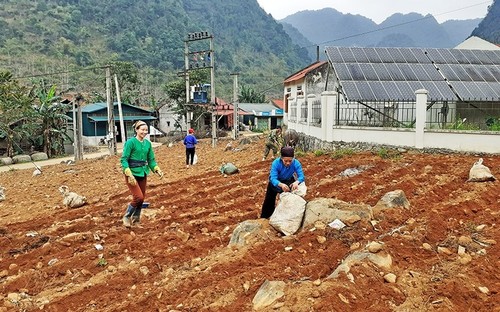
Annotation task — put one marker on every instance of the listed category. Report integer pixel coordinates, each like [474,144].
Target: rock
[480,228]
[375,247]
[21,159]
[328,209]
[5,161]
[444,250]
[242,231]
[390,278]
[317,282]
[464,258]
[39,156]
[268,293]
[4,273]
[484,290]
[391,200]
[321,239]
[427,246]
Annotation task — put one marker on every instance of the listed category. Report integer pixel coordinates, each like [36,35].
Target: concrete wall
[326,134]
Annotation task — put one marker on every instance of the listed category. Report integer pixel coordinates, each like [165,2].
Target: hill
[66,36]
[489,28]
[443,247]
[331,27]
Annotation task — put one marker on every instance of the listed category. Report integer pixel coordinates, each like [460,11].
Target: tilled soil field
[444,250]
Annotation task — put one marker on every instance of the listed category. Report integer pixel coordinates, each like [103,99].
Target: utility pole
[236,120]
[111,117]
[212,93]
[201,59]
[120,113]
[186,78]
[77,128]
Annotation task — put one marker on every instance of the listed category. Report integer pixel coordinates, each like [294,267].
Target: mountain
[489,28]
[331,27]
[69,35]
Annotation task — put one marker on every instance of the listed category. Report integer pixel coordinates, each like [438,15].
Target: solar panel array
[391,74]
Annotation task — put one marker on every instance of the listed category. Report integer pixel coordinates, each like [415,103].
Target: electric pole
[201,59]
[236,124]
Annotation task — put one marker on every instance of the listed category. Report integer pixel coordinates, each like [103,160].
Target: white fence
[306,122]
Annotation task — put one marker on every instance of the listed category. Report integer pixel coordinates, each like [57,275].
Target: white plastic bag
[480,173]
[195,159]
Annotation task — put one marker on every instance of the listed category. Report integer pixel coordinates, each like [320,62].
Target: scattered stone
[461,250]
[288,248]
[315,294]
[427,246]
[464,240]
[480,228]
[317,282]
[4,273]
[321,239]
[484,290]
[444,250]
[144,270]
[268,293]
[390,278]
[464,258]
[375,247]
[13,267]
[343,298]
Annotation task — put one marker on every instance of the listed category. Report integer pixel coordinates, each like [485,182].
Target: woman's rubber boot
[128,214]
[136,216]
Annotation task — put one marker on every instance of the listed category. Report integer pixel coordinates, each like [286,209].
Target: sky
[379,10]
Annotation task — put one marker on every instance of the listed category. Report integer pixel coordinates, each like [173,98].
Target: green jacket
[137,151]
[274,138]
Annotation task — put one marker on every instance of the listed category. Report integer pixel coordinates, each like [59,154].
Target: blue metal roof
[93,107]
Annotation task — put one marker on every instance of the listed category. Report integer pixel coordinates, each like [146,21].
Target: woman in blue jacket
[285,176]
[190,142]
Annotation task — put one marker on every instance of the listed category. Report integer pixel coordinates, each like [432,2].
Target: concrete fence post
[421,114]
[328,102]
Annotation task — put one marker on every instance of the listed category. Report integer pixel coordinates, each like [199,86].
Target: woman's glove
[130,177]
[158,171]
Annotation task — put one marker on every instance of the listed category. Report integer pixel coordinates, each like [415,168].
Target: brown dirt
[179,260]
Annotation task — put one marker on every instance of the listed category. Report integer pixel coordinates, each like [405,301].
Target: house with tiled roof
[307,81]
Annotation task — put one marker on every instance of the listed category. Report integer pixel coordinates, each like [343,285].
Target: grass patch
[340,153]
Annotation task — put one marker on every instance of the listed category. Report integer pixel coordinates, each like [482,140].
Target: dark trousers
[190,155]
[138,191]
[270,200]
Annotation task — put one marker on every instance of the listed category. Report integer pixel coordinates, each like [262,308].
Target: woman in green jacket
[137,160]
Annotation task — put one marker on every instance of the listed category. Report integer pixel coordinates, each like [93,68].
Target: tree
[15,108]
[248,95]
[50,119]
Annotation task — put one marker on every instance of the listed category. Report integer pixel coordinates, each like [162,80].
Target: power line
[60,72]
[396,25]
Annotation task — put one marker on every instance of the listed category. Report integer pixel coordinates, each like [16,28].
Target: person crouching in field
[273,142]
[137,160]
[285,176]
[190,143]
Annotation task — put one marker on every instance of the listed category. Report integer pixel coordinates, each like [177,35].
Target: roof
[93,107]
[303,72]
[389,74]
[279,103]
[476,43]
[125,118]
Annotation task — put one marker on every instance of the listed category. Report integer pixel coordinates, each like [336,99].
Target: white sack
[480,173]
[288,215]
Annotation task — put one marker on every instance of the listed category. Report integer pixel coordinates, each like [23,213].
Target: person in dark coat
[190,143]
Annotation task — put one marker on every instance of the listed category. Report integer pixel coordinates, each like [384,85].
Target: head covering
[287,151]
[138,124]
[191,130]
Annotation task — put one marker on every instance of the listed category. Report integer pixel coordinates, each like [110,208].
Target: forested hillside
[68,35]
[489,28]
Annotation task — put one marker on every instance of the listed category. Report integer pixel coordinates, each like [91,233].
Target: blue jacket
[281,173]
[190,141]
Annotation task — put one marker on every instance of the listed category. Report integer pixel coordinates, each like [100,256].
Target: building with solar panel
[376,88]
